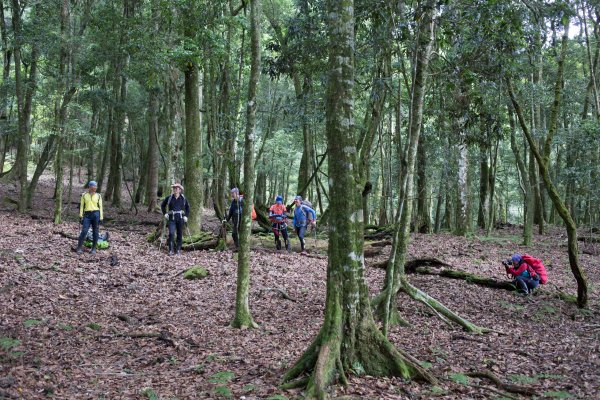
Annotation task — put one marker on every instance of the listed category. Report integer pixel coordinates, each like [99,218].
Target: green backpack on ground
[101,244]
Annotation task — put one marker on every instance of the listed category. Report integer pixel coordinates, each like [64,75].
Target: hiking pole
[314,228]
[162,234]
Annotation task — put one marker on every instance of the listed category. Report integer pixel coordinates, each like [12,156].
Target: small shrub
[31,322]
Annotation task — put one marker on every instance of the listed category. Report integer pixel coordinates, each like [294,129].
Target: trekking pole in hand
[162,234]
[314,227]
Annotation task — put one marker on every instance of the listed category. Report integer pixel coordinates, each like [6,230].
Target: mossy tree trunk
[152,158]
[243,317]
[193,136]
[60,110]
[349,338]
[543,162]
[385,305]
[24,94]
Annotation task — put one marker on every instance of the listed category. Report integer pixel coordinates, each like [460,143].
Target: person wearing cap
[303,216]
[235,215]
[176,209]
[90,214]
[525,277]
[278,217]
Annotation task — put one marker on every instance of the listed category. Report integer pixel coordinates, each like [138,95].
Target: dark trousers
[175,224]
[280,227]
[526,285]
[89,218]
[235,223]
[300,231]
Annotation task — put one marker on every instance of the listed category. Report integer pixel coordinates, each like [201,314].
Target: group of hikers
[526,271]
[304,217]
[176,210]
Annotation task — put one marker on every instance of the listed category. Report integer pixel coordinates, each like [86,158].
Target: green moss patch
[196,272]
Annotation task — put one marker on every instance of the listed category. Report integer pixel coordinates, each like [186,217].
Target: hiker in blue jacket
[235,215]
[303,217]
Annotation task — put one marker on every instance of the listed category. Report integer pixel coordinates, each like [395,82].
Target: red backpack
[537,266]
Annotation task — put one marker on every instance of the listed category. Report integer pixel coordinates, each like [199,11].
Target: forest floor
[77,327]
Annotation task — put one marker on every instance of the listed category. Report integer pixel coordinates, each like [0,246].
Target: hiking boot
[278,244]
[79,250]
[170,252]
[178,252]
[288,247]
[93,250]
[303,252]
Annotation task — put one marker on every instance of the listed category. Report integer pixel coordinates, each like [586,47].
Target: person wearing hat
[235,215]
[303,216]
[176,209]
[278,217]
[526,279]
[90,214]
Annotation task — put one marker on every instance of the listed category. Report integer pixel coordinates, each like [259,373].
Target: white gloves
[185,219]
[167,216]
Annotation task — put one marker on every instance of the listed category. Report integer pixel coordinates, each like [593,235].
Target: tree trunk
[6,58]
[243,317]
[523,183]
[24,94]
[462,199]
[423,221]
[152,159]
[193,147]
[349,336]
[484,178]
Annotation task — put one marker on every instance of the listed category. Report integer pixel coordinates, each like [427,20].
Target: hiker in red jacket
[528,272]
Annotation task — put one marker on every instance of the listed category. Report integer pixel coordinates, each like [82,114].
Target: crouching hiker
[176,209]
[90,213]
[278,217]
[235,215]
[528,272]
[304,216]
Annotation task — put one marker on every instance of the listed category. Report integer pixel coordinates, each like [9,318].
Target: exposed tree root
[373,354]
[504,386]
[295,384]
[423,297]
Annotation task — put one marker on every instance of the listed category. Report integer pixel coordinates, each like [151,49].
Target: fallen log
[372,252]
[479,280]
[382,243]
[412,265]
[431,266]
[204,245]
[588,239]
[66,235]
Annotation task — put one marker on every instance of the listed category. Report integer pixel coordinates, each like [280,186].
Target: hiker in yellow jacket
[90,213]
